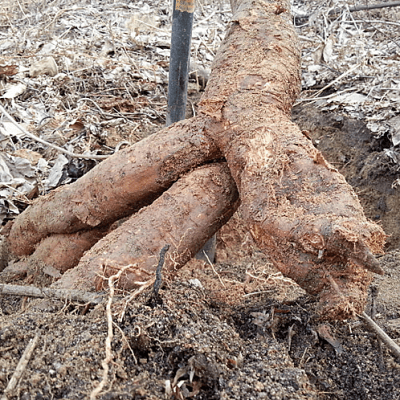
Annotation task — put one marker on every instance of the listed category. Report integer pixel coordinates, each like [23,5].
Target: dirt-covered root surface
[368,164]
[228,332]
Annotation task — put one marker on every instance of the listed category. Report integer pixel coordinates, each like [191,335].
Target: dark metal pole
[182,23]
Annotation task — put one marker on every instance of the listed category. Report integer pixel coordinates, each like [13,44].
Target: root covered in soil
[299,209]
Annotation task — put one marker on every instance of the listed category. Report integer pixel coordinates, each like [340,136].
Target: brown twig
[23,362]
[393,346]
[62,294]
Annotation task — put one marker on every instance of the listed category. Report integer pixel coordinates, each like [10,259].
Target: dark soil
[232,339]
[235,330]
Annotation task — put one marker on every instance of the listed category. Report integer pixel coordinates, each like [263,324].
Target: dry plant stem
[378,21]
[361,8]
[390,343]
[315,97]
[22,364]
[158,280]
[109,356]
[62,294]
[370,7]
[298,101]
[117,187]
[53,146]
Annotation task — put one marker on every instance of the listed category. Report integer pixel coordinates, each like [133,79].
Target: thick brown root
[299,209]
[309,221]
[184,217]
[60,252]
[63,252]
[117,187]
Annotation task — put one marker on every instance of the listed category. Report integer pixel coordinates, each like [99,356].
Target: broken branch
[61,294]
[390,343]
[22,364]
[157,283]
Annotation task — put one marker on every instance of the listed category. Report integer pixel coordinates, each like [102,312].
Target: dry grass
[13,9]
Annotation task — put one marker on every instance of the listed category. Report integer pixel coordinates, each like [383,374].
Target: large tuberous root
[184,217]
[299,208]
[115,188]
[333,268]
[309,221]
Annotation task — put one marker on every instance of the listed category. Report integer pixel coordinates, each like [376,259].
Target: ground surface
[214,323]
[235,330]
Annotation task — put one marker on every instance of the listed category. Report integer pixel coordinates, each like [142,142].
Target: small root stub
[158,281]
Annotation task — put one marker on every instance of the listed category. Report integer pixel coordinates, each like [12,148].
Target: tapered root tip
[369,262]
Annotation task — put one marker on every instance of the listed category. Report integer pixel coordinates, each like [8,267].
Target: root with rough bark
[299,209]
